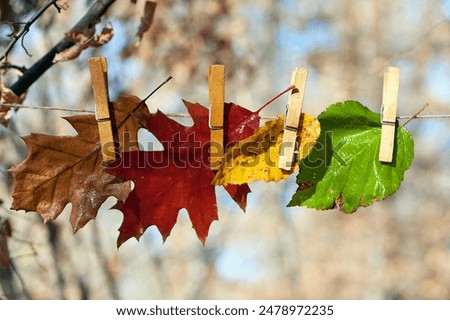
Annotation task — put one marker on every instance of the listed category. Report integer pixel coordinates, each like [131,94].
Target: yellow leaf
[256,157]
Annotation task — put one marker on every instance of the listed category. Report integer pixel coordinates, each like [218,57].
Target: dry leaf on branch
[103,37]
[83,41]
[146,20]
[63,4]
[7,96]
[59,170]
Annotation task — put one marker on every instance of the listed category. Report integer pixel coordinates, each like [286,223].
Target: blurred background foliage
[395,249]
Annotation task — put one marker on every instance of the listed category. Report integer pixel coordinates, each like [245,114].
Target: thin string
[20,106]
[427,116]
[185,115]
[426,105]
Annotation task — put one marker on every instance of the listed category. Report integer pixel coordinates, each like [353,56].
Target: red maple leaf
[180,176]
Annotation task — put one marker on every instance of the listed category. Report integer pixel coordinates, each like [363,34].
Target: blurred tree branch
[88,21]
[26,28]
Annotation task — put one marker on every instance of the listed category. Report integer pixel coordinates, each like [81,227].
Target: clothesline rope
[183,115]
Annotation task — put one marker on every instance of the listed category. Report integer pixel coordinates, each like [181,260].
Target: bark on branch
[89,20]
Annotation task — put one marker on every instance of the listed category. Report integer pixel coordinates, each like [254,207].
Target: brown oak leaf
[68,169]
[84,40]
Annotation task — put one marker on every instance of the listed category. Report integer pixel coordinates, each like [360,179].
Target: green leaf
[343,169]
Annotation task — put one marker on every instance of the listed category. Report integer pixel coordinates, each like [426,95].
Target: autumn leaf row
[62,170]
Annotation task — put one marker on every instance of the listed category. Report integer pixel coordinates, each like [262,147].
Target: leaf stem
[145,99]
[275,98]
[157,88]
[150,94]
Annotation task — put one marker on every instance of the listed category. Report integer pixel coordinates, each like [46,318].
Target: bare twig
[416,114]
[6,66]
[57,6]
[21,34]
[88,21]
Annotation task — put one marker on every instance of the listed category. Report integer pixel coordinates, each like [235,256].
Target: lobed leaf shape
[256,157]
[180,176]
[343,170]
[68,169]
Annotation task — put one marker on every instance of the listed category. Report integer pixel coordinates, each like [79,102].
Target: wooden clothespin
[216,114]
[391,87]
[104,113]
[292,121]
